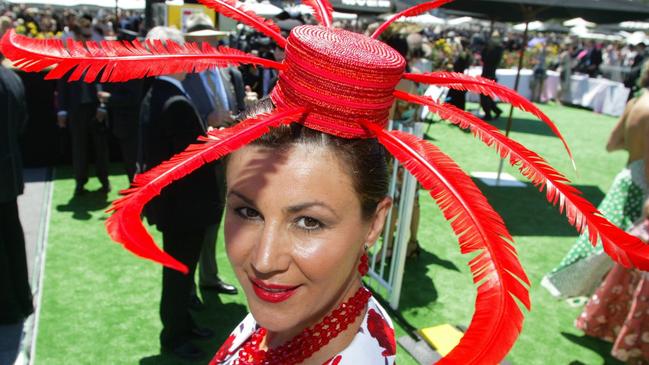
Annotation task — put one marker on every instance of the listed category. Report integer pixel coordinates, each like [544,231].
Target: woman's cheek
[318,257]
[236,242]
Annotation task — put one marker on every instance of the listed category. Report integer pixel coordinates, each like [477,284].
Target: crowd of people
[157,118]
[427,48]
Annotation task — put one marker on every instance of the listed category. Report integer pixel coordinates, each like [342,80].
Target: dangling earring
[363,266]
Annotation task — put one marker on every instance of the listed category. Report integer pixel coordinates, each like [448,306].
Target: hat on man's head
[200,25]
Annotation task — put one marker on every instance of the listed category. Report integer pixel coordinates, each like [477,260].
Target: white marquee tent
[123,4]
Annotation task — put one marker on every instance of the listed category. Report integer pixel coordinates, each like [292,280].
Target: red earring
[363,266]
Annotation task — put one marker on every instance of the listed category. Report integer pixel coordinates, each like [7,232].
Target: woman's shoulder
[374,344]
[237,337]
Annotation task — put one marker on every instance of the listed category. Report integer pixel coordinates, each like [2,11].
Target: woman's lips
[273,293]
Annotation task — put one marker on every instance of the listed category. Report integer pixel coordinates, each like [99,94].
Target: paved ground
[33,206]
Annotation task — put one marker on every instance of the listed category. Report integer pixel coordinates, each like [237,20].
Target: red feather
[622,247]
[237,11]
[413,11]
[116,60]
[323,11]
[481,85]
[488,87]
[125,227]
[497,320]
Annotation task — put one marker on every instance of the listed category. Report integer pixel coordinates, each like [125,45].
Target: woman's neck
[275,339]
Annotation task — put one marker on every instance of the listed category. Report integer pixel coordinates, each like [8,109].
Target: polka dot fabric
[622,206]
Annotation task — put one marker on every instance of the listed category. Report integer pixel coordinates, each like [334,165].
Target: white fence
[388,256]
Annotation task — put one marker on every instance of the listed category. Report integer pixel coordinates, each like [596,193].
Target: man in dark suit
[123,102]
[218,95]
[183,212]
[15,294]
[79,110]
[491,54]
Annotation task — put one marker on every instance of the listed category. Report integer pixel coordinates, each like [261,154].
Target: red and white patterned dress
[374,344]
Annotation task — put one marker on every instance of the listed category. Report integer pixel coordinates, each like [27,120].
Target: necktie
[266,81]
[220,89]
[212,91]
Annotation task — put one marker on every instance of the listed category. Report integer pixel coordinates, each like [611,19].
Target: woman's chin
[275,320]
[275,317]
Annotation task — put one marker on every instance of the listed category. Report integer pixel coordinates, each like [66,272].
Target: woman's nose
[272,252]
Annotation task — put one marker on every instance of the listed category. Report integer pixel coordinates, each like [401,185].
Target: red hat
[343,83]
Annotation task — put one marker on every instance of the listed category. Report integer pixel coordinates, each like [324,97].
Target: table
[507,77]
[601,95]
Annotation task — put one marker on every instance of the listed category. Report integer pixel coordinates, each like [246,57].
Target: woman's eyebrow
[242,197]
[302,206]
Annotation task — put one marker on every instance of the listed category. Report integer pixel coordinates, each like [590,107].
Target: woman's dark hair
[364,159]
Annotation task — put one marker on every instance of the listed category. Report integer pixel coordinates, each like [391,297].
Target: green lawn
[100,303]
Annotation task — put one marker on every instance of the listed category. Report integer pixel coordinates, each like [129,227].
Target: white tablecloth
[507,77]
[601,95]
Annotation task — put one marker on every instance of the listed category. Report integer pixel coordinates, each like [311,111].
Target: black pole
[518,76]
[148,15]
[511,107]
[116,25]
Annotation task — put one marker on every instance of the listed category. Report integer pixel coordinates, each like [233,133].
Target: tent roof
[363,6]
[123,4]
[598,11]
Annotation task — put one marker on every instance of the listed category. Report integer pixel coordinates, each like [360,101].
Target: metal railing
[388,256]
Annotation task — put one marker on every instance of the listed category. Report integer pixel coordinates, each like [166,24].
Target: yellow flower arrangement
[30,29]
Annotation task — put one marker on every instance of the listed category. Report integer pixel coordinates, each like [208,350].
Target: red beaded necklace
[309,340]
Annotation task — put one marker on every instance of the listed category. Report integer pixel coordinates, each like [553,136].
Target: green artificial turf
[100,303]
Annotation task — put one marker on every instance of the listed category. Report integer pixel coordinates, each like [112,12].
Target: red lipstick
[272,293]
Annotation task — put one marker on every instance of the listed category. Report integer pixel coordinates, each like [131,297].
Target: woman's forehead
[301,170]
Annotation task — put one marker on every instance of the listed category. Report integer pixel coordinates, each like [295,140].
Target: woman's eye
[248,213]
[308,223]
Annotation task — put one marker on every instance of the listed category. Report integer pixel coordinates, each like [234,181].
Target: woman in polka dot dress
[584,267]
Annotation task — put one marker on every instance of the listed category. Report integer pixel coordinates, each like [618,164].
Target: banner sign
[363,6]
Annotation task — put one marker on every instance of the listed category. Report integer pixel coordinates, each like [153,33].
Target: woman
[299,217]
[300,254]
[584,266]
[618,312]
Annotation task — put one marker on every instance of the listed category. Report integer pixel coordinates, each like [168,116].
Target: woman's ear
[378,221]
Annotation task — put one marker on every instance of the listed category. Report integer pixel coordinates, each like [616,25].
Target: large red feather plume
[481,85]
[497,320]
[413,11]
[237,11]
[119,60]
[125,226]
[322,10]
[619,245]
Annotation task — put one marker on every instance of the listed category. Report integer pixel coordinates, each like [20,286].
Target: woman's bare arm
[616,139]
[644,114]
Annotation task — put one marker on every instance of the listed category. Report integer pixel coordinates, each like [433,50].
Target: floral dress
[618,312]
[374,344]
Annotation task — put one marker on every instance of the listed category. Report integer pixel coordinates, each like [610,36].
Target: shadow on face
[293,221]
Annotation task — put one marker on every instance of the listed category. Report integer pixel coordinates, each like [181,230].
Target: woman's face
[294,232]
